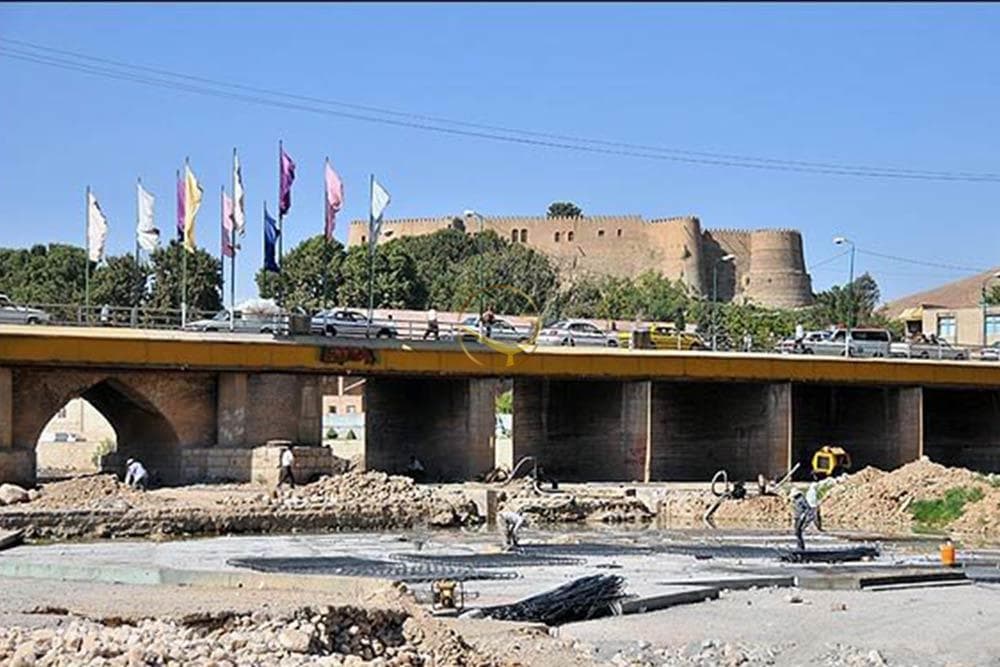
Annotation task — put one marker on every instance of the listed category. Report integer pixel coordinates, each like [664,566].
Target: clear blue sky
[914,86]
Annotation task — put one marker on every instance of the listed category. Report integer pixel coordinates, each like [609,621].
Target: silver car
[573,333]
[469,329]
[347,322]
[990,352]
[11,314]
[941,349]
[242,323]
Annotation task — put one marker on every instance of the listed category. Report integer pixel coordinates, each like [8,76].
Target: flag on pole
[192,202]
[97,229]
[334,199]
[239,205]
[286,180]
[180,207]
[227,225]
[146,232]
[270,243]
[380,199]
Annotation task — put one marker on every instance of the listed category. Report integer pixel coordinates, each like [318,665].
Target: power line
[824,262]
[128,72]
[920,262]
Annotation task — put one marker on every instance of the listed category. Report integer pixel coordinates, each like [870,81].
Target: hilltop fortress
[768,269]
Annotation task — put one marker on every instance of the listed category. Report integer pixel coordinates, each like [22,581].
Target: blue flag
[270,241]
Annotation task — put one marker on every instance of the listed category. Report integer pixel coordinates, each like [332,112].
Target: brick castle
[768,269]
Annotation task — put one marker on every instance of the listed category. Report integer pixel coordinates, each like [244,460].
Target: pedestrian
[488,320]
[800,337]
[432,324]
[512,523]
[136,476]
[415,469]
[285,462]
[747,342]
[105,315]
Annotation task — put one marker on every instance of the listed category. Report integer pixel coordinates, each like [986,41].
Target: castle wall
[777,269]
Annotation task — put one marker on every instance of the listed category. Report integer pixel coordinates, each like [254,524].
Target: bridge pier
[448,424]
[962,428]
[698,428]
[582,430]
[878,426]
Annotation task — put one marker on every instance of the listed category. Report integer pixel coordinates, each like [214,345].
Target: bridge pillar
[6,409]
[878,426]
[582,430]
[962,428]
[698,428]
[448,424]
[232,399]
[17,465]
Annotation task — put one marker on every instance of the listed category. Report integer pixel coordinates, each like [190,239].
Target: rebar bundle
[580,599]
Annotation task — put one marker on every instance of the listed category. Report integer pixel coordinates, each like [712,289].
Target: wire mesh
[351,566]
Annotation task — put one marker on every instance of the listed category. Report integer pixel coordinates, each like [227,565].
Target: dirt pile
[687,508]
[328,636]
[579,506]
[93,492]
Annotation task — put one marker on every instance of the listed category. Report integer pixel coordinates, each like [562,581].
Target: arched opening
[140,430]
[524,236]
[556,237]
[569,236]
[513,235]
[76,441]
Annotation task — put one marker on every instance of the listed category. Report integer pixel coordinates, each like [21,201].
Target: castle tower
[777,275]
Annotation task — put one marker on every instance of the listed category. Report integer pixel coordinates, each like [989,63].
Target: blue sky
[911,85]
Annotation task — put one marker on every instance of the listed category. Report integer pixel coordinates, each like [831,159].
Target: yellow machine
[831,461]
[447,594]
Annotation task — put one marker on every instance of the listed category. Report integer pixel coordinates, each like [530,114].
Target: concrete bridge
[196,406]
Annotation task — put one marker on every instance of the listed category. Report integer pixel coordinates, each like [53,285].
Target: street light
[469,213]
[715,295]
[840,240]
[986,284]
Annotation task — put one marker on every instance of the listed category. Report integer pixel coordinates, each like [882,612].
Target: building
[74,440]
[954,311]
[768,266]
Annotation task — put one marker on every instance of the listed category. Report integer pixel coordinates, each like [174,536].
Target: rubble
[574,507]
[11,494]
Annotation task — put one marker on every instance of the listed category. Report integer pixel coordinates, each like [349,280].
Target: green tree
[564,209]
[310,276]
[120,282]
[204,279]
[835,304]
[395,280]
[658,297]
[512,277]
[53,274]
[437,258]
[993,296]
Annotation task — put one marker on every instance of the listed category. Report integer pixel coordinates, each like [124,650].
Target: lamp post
[479,263]
[840,240]
[715,296]
[986,284]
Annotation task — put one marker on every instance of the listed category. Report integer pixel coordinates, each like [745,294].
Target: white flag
[380,199]
[97,229]
[146,233]
[239,212]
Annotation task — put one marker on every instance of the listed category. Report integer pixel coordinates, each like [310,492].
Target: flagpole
[281,240]
[184,259]
[86,258]
[371,255]
[232,264]
[222,234]
[326,244]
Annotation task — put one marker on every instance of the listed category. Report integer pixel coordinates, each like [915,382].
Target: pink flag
[227,226]
[334,199]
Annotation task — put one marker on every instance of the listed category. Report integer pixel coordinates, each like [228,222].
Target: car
[665,337]
[788,346]
[469,329]
[990,352]
[242,323]
[13,314]
[936,348]
[348,322]
[860,343]
[575,332]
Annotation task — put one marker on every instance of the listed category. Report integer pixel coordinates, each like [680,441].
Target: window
[331,409]
[569,236]
[946,327]
[513,235]
[619,233]
[600,233]
[351,410]
[524,236]
[62,413]
[363,239]
[556,237]
[992,325]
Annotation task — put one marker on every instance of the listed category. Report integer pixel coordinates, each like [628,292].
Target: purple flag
[180,207]
[334,199]
[287,178]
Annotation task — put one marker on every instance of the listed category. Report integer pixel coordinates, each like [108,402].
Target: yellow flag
[192,196]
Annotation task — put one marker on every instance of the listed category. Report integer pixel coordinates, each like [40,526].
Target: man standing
[136,476]
[512,523]
[488,319]
[415,469]
[800,337]
[285,462]
[432,324]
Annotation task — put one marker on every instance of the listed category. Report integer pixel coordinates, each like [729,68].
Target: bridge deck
[129,348]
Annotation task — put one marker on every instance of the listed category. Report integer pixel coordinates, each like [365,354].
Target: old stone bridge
[192,404]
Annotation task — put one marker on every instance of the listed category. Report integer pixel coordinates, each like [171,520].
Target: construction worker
[136,476]
[512,523]
[805,510]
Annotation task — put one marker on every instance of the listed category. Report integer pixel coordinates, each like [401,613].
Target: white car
[347,322]
[863,343]
[575,332]
[941,349]
[469,329]
[990,352]
[11,314]
[787,345]
[242,323]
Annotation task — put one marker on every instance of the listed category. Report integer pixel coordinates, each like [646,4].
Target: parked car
[862,343]
[469,329]
[347,322]
[787,345]
[990,352]
[575,332]
[242,323]
[928,349]
[666,337]
[11,314]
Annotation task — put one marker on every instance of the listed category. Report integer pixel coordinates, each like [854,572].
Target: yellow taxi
[666,337]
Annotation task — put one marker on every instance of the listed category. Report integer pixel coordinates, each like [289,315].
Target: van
[863,343]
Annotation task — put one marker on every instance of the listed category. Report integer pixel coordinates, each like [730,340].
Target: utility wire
[128,72]
[919,262]
[833,258]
